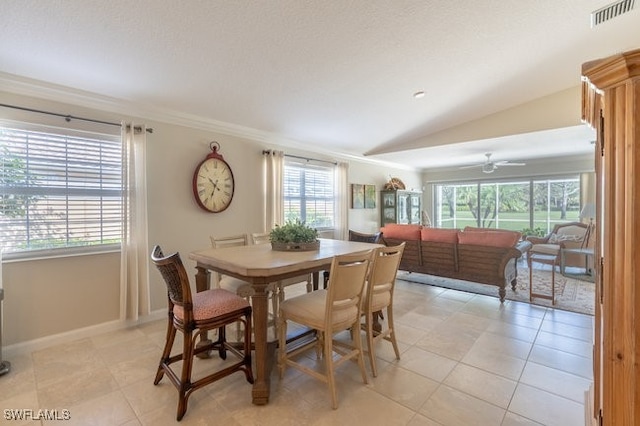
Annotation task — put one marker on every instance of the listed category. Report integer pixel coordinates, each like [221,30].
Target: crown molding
[38,89]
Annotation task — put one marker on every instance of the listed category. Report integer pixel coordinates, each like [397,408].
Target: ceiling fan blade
[512,164]
[471,167]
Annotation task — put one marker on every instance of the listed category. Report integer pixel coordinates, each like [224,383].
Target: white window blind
[309,194]
[59,190]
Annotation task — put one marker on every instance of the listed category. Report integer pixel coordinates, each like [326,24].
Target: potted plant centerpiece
[294,236]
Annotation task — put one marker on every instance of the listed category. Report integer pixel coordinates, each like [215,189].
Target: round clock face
[213,185]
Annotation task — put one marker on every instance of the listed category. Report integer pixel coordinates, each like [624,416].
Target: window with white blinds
[309,194]
[59,191]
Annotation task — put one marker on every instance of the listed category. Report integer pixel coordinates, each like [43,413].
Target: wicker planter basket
[295,246]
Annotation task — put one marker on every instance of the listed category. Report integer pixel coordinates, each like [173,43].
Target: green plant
[293,232]
[536,232]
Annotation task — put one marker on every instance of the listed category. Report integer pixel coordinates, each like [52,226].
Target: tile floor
[465,360]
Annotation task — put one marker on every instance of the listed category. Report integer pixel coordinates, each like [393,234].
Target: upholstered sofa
[486,256]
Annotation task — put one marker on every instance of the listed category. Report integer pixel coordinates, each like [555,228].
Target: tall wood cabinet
[611,104]
[400,206]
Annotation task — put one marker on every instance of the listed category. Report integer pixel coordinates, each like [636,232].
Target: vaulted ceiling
[334,76]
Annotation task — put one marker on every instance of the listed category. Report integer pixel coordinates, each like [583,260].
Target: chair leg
[185,380]
[282,344]
[358,343]
[328,361]
[166,352]
[222,339]
[370,344]
[392,331]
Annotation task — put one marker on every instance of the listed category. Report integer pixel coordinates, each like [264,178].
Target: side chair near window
[193,315]
[375,238]
[235,285]
[378,296]
[328,311]
[548,250]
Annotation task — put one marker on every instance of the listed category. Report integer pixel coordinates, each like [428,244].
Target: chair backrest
[365,238]
[344,291]
[382,274]
[175,277]
[230,241]
[261,237]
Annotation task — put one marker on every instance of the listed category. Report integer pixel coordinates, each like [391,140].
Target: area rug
[572,294]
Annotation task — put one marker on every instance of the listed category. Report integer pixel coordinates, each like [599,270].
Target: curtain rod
[268,151]
[68,117]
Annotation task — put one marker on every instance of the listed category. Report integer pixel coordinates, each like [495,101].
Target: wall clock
[213,183]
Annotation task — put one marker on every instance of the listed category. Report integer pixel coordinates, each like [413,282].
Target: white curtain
[134,263]
[273,190]
[342,202]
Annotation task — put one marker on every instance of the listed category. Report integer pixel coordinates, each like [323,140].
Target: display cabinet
[400,206]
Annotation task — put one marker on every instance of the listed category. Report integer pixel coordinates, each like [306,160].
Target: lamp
[588,211]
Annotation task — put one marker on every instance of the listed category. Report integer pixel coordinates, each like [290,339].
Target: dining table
[260,265]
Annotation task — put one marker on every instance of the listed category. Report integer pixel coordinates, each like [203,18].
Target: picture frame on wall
[357,196]
[369,196]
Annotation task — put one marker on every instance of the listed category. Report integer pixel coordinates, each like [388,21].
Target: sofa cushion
[441,235]
[401,232]
[492,238]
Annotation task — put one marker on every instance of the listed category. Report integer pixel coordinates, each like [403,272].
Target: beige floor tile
[19,379]
[420,420]
[407,388]
[503,345]
[526,309]
[564,361]
[77,388]
[495,362]
[21,402]
[546,408]
[565,344]
[483,385]
[555,381]
[514,331]
[107,410]
[512,419]
[451,407]
[449,341]
[133,370]
[512,317]
[407,334]
[468,321]
[60,362]
[427,364]
[568,330]
[566,317]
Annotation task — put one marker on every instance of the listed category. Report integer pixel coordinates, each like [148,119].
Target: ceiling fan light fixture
[419,94]
[488,168]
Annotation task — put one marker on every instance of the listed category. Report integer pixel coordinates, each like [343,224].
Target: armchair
[570,235]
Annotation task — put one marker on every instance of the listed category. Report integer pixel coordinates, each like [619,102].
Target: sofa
[479,255]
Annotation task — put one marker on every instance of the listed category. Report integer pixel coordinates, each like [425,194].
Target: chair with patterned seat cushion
[194,315]
[328,311]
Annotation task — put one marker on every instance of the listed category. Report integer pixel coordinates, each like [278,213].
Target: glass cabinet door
[403,208]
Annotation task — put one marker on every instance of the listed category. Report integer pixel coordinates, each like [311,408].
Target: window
[309,194]
[59,190]
[515,205]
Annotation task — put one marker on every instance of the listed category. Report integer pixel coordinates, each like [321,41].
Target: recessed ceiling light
[419,95]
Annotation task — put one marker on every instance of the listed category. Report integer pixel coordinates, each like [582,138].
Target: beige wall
[45,298]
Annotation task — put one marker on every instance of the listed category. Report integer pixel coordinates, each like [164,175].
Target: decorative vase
[295,246]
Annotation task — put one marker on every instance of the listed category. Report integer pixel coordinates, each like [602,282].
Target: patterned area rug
[572,293]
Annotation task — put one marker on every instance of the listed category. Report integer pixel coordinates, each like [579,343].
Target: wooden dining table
[259,265]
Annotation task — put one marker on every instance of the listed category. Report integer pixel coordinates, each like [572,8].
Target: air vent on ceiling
[611,11]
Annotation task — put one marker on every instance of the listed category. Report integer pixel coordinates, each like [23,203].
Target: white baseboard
[80,333]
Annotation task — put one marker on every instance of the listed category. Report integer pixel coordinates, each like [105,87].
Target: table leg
[263,351]
[203,283]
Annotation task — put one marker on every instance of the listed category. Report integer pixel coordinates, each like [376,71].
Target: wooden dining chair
[378,297]
[328,311]
[238,286]
[194,315]
[374,238]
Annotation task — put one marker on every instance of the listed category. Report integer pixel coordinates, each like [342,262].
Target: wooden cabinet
[400,206]
[611,104]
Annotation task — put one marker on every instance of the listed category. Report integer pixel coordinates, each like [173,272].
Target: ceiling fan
[490,166]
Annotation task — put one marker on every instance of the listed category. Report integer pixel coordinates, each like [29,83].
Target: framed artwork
[369,196]
[357,196]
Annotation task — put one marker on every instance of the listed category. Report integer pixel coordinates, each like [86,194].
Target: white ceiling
[329,75]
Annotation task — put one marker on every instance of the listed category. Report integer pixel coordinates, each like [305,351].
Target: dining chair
[374,238]
[378,296]
[194,315]
[263,238]
[238,286]
[328,312]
